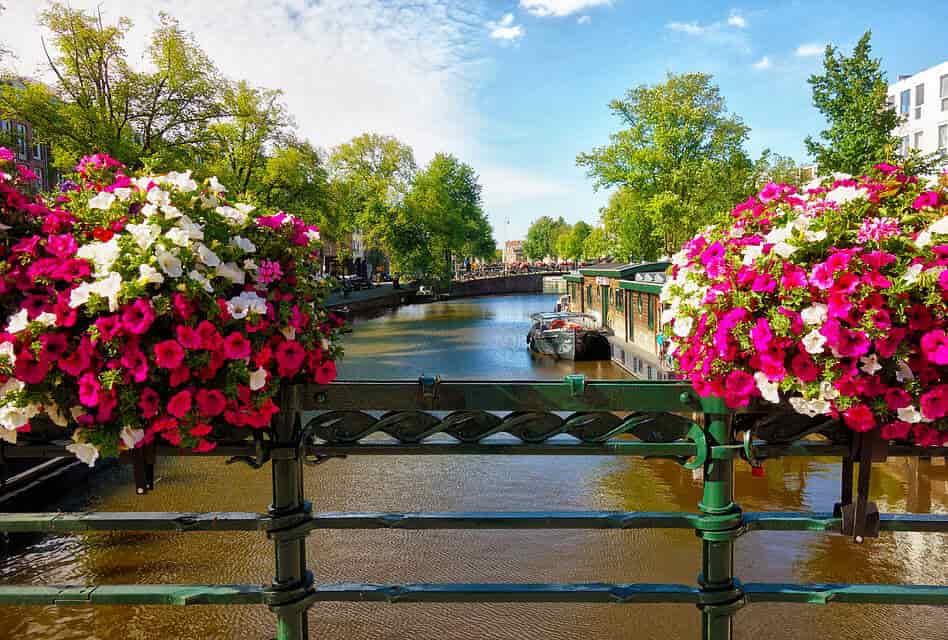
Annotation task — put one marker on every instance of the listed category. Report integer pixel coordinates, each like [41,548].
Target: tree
[370,176]
[295,179]
[597,245]
[100,103]
[237,148]
[541,237]
[773,167]
[632,226]
[570,242]
[851,95]
[680,152]
[444,219]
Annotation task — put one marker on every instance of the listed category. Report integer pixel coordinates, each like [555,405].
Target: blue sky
[518,87]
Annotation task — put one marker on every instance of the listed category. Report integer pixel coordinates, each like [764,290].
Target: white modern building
[922,102]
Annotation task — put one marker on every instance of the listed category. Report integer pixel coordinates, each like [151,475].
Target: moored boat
[568,336]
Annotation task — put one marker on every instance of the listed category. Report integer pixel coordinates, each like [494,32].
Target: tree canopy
[851,95]
[680,152]
[541,237]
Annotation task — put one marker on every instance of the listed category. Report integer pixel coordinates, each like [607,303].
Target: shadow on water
[481,338]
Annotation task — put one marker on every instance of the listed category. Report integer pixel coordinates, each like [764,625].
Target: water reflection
[482,338]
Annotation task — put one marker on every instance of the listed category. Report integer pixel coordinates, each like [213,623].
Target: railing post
[290,553]
[720,595]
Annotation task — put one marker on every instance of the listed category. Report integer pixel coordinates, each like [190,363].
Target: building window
[904,146]
[619,304]
[943,137]
[943,94]
[905,102]
[651,312]
[21,141]
[589,294]
[41,173]
[639,297]
[919,100]
[38,151]
[918,139]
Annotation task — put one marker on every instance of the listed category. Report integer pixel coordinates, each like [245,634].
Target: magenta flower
[89,389]
[169,354]
[886,168]
[803,367]
[136,364]
[269,271]
[935,403]
[180,404]
[935,346]
[62,245]
[6,155]
[138,317]
[236,346]
[896,430]
[738,389]
[926,199]
[859,418]
[289,356]
[878,229]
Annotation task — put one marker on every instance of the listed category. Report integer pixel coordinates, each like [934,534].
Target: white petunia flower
[209,201]
[682,327]
[131,437]
[778,235]
[9,350]
[784,249]
[178,236]
[815,236]
[46,318]
[232,214]
[909,414]
[258,379]
[171,212]
[828,391]
[803,406]
[814,314]
[18,321]
[750,253]
[108,288]
[215,185]
[243,244]
[769,390]
[182,181]
[247,209]
[207,256]
[813,342]
[143,182]
[246,303]
[904,372]
[147,274]
[312,235]
[912,273]
[194,230]
[870,364]
[149,210]
[145,234]
[201,279]
[102,255]
[170,264]
[84,451]
[122,193]
[289,333]
[159,197]
[842,195]
[58,417]
[102,200]
[230,271]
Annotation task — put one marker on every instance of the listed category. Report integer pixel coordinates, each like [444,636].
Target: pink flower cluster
[132,310]
[829,299]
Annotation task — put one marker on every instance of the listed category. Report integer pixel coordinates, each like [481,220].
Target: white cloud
[810,49]
[737,20]
[505,29]
[559,8]
[583,20]
[763,63]
[691,28]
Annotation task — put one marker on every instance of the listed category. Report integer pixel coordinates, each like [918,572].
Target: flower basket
[138,309]
[822,309]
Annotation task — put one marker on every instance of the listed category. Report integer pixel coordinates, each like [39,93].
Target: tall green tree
[370,177]
[446,216]
[598,244]
[98,102]
[237,148]
[851,95]
[570,242]
[295,178]
[541,237]
[680,151]
[631,224]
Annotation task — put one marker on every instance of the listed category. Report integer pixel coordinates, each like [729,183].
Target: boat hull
[570,345]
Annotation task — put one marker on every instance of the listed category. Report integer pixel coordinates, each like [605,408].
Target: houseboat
[568,336]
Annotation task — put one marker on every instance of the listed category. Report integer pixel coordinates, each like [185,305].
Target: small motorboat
[569,336]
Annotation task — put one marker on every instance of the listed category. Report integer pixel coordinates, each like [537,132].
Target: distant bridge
[512,283]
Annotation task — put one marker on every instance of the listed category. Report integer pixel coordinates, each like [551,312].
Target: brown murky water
[482,338]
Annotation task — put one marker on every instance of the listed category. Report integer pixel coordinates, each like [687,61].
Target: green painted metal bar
[716,581]
[290,553]
[134,521]
[132,594]
[599,395]
[506,446]
[892,594]
[564,593]
[245,521]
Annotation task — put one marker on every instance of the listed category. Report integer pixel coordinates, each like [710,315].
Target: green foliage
[569,244]
[542,236]
[99,103]
[851,95]
[680,157]
[773,167]
[598,245]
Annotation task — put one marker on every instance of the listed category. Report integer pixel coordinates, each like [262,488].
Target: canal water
[481,338]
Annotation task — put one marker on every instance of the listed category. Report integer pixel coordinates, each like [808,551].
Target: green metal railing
[430,417]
